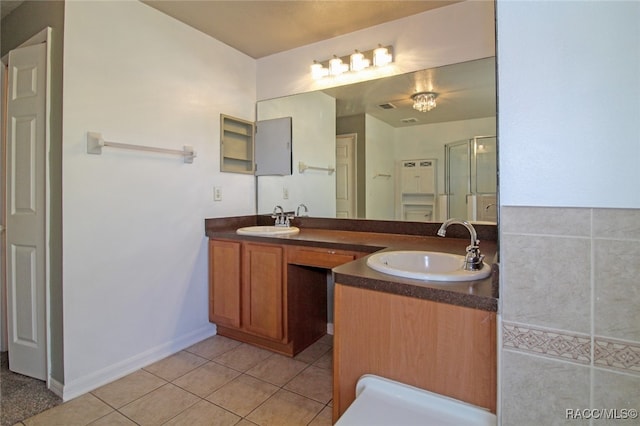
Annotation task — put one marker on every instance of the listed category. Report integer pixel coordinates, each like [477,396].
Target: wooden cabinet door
[224,282]
[262,290]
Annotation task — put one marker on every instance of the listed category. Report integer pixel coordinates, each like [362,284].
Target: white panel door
[3,292]
[345,176]
[25,211]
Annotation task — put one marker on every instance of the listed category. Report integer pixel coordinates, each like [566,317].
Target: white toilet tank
[384,402]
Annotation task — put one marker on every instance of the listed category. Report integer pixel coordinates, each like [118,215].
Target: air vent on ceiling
[387,105]
[409,120]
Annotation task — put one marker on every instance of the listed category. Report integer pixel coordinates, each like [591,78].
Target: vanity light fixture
[356,62]
[424,101]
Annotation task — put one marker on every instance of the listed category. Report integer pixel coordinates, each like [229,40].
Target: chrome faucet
[306,210]
[473,259]
[280,217]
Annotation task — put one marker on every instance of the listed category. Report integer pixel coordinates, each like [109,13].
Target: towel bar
[95,144]
[302,167]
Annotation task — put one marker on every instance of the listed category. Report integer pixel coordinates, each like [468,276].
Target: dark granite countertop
[358,235]
[481,294]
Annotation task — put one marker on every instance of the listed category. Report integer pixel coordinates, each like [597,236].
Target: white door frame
[3,290]
[43,36]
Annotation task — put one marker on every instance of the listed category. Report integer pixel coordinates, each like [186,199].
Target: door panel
[26,140]
[262,298]
[224,282]
[345,176]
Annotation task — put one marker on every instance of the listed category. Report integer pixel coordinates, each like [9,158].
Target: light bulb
[336,67]
[381,56]
[318,71]
[358,61]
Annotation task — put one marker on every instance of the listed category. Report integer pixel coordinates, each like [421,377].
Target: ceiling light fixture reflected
[424,101]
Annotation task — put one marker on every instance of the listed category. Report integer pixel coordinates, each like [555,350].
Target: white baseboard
[92,381]
[330,328]
[56,387]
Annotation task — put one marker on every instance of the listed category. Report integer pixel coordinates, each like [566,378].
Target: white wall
[457,33]
[569,86]
[380,143]
[313,122]
[135,264]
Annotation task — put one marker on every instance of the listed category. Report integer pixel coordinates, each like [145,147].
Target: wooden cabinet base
[306,305]
[442,348]
[270,295]
[306,297]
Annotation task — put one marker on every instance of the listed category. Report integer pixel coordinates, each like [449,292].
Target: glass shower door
[471,179]
[484,178]
[457,170]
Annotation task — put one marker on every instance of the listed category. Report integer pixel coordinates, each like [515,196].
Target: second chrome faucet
[284,219]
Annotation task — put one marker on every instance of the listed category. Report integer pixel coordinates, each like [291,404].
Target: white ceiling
[262,28]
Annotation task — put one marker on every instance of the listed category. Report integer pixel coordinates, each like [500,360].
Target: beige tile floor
[218,381]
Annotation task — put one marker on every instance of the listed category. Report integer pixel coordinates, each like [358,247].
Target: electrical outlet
[217,193]
[285,193]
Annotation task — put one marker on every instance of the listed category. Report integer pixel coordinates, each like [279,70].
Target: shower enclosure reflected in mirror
[384,132]
[471,179]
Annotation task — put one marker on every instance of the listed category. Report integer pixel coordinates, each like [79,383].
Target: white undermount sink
[425,265]
[268,231]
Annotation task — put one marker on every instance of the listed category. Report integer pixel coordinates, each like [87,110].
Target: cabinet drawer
[322,258]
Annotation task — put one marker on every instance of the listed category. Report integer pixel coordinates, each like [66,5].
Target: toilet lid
[383,402]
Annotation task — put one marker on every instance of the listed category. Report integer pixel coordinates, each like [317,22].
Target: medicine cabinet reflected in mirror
[362,151]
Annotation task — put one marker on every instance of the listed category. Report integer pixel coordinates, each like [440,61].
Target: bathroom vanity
[272,292]
[271,295]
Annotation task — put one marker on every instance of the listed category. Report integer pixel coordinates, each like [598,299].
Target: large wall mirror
[363,151]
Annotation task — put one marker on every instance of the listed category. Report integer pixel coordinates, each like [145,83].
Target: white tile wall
[570,295]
